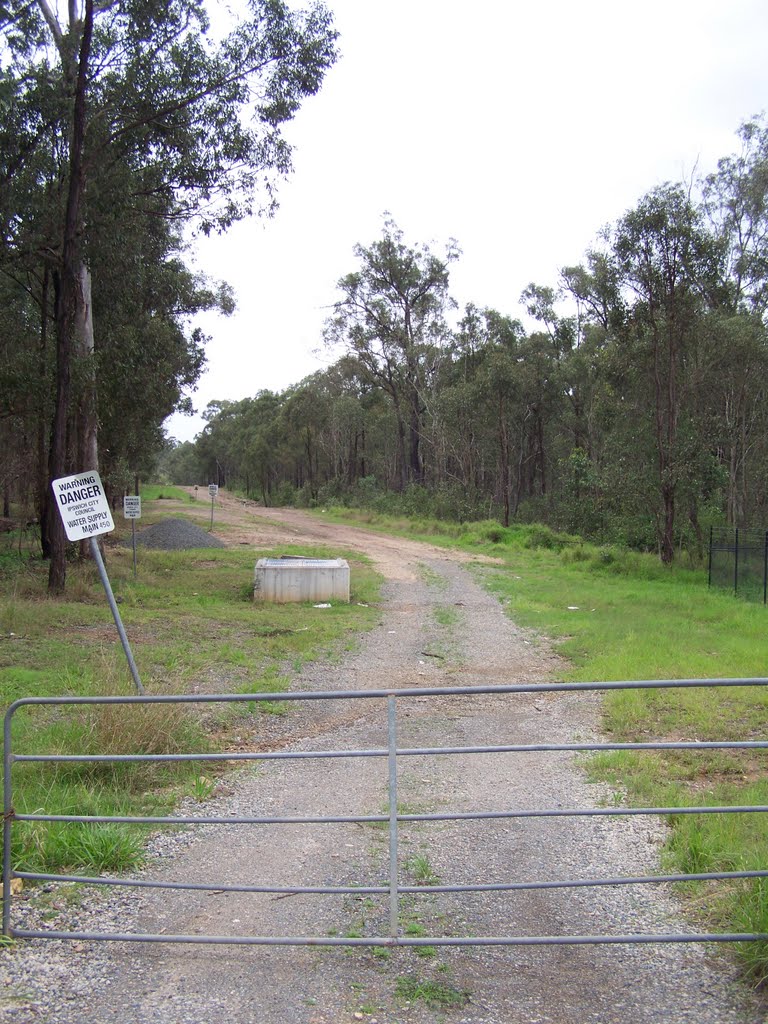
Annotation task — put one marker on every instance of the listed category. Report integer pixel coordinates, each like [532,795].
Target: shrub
[283,496]
[495,534]
[578,553]
[540,536]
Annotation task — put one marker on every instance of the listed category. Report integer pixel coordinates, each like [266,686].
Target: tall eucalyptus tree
[667,261]
[391,320]
[142,110]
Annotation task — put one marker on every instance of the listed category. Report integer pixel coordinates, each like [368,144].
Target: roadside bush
[578,553]
[283,496]
[366,493]
[540,536]
[495,534]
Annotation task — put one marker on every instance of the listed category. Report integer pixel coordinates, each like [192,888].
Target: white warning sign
[82,505]
[131,506]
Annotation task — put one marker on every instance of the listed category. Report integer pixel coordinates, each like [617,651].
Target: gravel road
[439,627]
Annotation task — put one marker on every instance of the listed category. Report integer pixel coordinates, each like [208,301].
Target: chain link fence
[738,560]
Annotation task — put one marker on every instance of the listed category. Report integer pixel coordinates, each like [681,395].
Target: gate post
[7,818]
[394,910]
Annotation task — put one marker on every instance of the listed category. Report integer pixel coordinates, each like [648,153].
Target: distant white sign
[131,506]
[82,505]
[213,490]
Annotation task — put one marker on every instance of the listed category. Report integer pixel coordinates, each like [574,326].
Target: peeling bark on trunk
[87,455]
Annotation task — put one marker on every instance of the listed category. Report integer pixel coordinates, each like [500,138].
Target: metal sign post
[85,513]
[213,490]
[132,511]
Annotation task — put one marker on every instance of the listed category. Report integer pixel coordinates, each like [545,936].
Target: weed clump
[434,994]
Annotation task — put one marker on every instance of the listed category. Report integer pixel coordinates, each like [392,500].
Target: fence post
[765,567]
[394,910]
[709,566]
[736,563]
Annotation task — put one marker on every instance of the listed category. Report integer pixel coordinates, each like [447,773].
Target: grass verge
[193,627]
[620,615]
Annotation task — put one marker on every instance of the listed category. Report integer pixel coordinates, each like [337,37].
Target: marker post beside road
[86,514]
[213,490]
[132,511]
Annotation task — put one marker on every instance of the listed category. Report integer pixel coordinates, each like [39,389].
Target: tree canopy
[126,124]
[632,411]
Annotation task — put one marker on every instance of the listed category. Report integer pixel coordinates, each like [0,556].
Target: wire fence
[738,561]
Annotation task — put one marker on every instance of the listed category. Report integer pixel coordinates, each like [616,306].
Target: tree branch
[53,25]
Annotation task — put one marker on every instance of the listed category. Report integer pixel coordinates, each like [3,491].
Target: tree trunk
[668,525]
[87,421]
[66,310]
[401,458]
[44,505]
[57,452]
[415,468]
[504,461]
[693,515]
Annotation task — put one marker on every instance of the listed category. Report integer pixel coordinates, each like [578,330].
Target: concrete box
[281,580]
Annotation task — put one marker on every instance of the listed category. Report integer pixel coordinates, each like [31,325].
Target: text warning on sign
[82,505]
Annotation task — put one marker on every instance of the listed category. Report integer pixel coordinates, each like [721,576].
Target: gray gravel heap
[176,535]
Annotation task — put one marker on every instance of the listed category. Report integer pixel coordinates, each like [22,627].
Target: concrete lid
[302,563]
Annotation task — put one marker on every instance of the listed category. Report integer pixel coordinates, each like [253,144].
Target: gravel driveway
[439,627]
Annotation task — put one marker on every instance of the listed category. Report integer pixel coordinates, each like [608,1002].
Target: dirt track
[250,523]
[432,606]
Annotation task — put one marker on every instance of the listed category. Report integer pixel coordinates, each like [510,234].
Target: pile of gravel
[176,535]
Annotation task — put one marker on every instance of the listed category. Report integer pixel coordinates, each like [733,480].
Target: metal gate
[391,819]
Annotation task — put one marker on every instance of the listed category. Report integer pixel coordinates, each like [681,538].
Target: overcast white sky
[520,129]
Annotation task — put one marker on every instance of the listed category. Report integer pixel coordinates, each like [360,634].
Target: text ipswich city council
[80,492]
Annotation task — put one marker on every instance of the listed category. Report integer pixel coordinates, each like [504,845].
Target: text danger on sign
[132,506]
[83,505]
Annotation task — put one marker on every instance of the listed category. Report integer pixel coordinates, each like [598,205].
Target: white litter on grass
[573,607]
[323,605]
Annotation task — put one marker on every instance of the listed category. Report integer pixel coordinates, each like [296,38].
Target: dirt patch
[247,522]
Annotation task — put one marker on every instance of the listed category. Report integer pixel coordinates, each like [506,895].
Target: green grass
[432,578]
[419,867]
[446,616]
[620,615]
[667,625]
[192,625]
[160,492]
[434,993]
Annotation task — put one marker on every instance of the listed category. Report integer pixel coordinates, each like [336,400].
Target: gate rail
[392,817]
